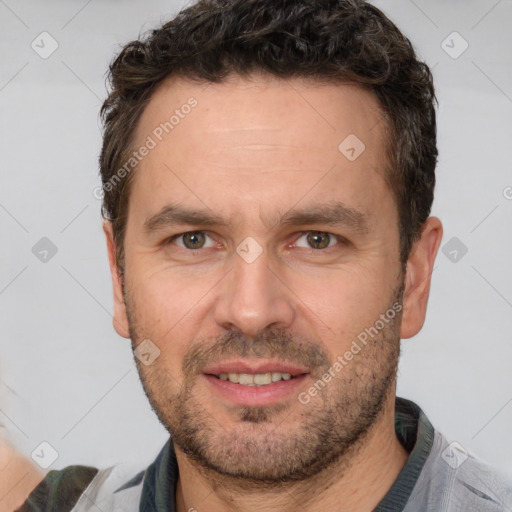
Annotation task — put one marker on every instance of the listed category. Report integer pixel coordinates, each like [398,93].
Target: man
[268,169]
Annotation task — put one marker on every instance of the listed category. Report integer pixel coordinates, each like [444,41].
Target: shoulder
[60,490]
[122,487]
[486,484]
[86,489]
[455,479]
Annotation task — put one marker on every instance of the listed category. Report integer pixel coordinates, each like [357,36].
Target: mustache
[269,345]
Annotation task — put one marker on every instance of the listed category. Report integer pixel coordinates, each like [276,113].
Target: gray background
[69,380]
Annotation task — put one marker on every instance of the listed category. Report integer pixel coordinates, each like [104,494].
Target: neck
[357,482]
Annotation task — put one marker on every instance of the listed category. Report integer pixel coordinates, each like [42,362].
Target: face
[259,254]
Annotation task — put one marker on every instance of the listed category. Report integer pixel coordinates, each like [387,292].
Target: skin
[18,477]
[253,149]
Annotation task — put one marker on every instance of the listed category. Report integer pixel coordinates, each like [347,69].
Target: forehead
[255,136]
[306,113]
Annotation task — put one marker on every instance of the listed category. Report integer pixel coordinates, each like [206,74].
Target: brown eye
[318,239]
[193,239]
[190,240]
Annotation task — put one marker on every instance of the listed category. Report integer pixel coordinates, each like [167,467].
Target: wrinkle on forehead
[236,109]
[257,140]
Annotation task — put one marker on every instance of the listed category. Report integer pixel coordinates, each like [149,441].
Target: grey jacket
[438,477]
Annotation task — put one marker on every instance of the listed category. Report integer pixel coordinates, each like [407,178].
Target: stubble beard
[275,445]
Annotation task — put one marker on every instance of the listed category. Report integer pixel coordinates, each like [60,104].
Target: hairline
[192,78]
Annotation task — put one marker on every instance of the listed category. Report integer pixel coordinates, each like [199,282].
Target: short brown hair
[325,40]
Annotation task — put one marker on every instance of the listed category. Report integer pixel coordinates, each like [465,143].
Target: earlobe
[120,318]
[417,280]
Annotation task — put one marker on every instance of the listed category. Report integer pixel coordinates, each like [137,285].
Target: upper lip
[254,367]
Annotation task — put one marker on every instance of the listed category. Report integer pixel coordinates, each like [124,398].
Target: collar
[413,430]
[416,434]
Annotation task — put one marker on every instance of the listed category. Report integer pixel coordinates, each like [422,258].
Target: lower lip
[256,395]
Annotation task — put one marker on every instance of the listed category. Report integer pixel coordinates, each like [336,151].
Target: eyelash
[341,240]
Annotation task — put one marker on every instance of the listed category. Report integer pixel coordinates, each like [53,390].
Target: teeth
[246,380]
[276,376]
[259,379]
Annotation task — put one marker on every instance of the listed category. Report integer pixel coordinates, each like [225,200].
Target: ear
[120,319]
[417,280]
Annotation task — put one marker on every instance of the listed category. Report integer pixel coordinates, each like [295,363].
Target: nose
[253,297]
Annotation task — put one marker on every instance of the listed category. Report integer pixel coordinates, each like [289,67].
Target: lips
[256,382]
[254,367]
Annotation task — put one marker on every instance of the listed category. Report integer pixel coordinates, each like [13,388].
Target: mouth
[258,379]
[255,383]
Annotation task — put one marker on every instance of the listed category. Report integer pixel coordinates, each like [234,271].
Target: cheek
[344,302]
[163,295]
[159,309]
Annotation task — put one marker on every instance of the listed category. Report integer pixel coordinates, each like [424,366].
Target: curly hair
[324,40]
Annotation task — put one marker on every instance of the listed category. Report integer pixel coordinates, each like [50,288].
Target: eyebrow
[332,213]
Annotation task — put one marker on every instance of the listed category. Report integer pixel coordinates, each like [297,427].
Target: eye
[192,240]
[196,240]
[319,240]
